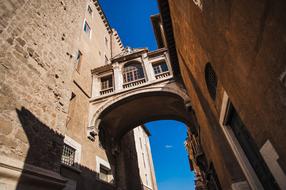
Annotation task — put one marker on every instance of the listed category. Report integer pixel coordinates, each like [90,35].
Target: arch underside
[128,113]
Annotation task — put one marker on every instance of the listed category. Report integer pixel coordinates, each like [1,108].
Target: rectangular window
[250,148]
[71,109]
[160,68]
[106,60]
[143,160]
[103,173]
[146,179]
[86,28]
[78,60]
[106,41]
[106,82]
[89,10]
[140,142]
[68,155]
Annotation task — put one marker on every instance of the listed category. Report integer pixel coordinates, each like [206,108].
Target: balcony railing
[106,91]
[162,75]
[134,83]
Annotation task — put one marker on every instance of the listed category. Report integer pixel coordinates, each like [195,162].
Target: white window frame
[72,143]
[90,31]
[100,161]
[242,160]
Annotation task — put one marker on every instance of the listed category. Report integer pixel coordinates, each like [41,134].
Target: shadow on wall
[123,160]
[43,169]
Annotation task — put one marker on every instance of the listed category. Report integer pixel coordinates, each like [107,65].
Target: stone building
[71,93]
[48,54]
[144,155]
[231,58]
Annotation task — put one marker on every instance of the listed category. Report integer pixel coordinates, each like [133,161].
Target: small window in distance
[160,67]
[146,179]
[106,82]
[106,60]
[106,42]
[86,28]
[68,155]
[143,159]
[211,80]
[71,109]
[78,60]
[132,72]
[104,173]
[89,10]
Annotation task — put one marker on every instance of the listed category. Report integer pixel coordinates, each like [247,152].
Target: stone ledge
[13,170]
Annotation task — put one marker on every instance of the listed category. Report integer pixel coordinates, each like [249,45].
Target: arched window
[132,71]
[211,80]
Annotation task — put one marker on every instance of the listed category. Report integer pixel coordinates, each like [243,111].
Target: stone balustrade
[163,75]
[106,91]
[134,83]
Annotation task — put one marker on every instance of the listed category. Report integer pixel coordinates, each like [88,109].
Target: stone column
[148,68]
[168,62]
[118,78]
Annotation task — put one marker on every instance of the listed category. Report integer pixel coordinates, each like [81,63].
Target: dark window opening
[104,173]
[213,182]
[132,72]
[106,42]
[160,68]
[250,148]
[86,28]
[106,60]
[211,80]
[89,10]
[78,60]
[106,82]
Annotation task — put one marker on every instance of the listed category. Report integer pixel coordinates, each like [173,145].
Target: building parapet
[132,69]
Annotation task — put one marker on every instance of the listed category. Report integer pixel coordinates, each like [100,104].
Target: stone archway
[119,116]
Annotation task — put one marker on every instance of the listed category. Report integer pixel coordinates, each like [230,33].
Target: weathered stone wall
[94,48]
[245,43]
[36,66]
[39,45]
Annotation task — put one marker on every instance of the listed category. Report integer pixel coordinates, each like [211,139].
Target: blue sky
[131,18]
[169,155]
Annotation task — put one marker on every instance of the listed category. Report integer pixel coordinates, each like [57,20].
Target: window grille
[211,80]
[68,155]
